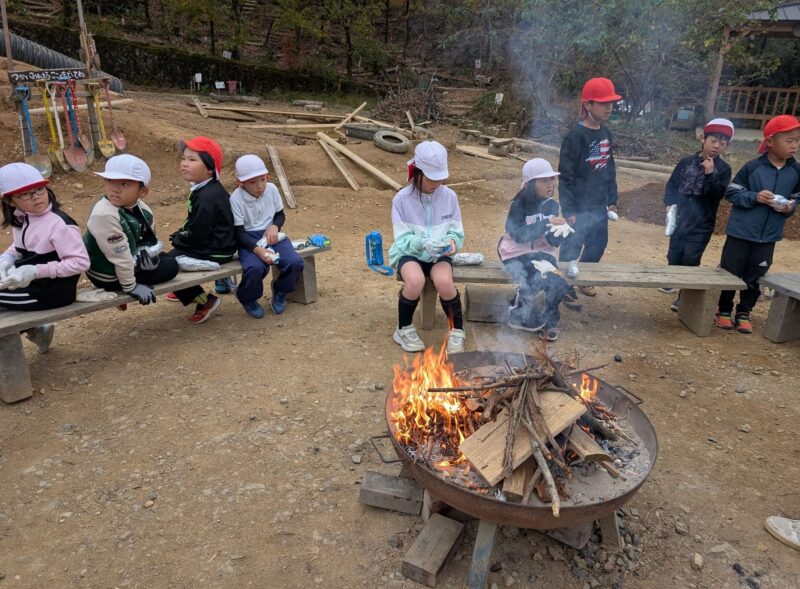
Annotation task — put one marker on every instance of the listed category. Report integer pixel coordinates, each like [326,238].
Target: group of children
[120,250]
[428,230]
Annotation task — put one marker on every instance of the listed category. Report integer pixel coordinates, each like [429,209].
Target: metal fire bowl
[528,516]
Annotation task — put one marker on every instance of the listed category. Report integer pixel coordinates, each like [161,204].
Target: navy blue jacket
[697,195]
[755,221]
[588,182]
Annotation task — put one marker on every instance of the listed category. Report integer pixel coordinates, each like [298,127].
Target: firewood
[593,423]
[517,409]
[515,485]
[503,382]
[585,447]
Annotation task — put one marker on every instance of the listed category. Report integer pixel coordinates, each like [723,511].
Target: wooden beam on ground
[278,167]
[339,165]
[410,120]
[477,152]
[103,104]
[309,128]
[360,162]
[390,492]
[200,108]
[486,447]
[281,113]
[434,546]
[349,117]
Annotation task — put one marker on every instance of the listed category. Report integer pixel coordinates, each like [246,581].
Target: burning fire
[425,419]
[588,388]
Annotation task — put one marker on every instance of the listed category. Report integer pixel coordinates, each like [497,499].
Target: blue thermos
[374,249]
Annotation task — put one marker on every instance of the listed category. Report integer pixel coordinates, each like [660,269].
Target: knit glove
[142,293]
[18,277]
[145,260]
[6,263]
[544,267]
[563,230]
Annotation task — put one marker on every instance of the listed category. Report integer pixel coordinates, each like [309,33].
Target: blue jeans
[254,270]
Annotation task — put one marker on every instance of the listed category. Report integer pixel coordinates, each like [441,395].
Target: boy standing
[763,194]
[696,187]
[120,228]
[258,215]
[588,187]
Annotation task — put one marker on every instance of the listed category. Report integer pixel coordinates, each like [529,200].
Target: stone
[509,581]
[395,541]
[609,566]
[349,389]
[149,503]
[356,458]
[745,428]
[378,386]
[556,553]
[284,400]
[741,389]
[726,549]
[683,394]
[697,561]
[537,556]
[617,357]
[681,528]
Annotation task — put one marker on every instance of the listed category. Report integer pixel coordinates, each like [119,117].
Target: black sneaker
[521,319]
[676,304]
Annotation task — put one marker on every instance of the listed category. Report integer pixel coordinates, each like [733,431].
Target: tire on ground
[391,141]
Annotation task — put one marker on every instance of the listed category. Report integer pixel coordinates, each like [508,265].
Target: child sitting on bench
[534,230]
[41,267]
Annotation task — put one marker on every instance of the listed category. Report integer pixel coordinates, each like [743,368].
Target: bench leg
[697,310]
[15,380]
[428,304]
[306,290]
[783,321]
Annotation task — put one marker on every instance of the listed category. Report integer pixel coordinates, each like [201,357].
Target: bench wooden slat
[12,322]
[787,283]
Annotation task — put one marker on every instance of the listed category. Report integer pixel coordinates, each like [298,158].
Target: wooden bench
[700,287]
[15,380]
[783,320]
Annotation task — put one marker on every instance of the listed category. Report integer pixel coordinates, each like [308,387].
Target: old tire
[391,141]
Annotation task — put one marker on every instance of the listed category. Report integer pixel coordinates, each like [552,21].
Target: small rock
[237,556]
[395,541]
[378,386]
[697,561]
[509,581]
[741,389]
[617,357]
[745,428]
[349,389]
[284,400]
[726,549]
[2,575]
[609,566]
[496,567]
[537,556]
[356,458]
[556,553]
[149,503]
[579,562]
[683,394]
[681,528]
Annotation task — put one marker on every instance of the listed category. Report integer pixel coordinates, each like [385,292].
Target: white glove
[779,202]
[672,220]
[263,243]
[543,266]
[6,263]
[612,216]
[18,277]
[562,230]
[435,248]
[572,270]
[94,295]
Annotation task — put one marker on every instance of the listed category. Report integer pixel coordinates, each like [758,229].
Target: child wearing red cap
[695,188]
[764,194]
[41,267]
[588,183]
[207,233]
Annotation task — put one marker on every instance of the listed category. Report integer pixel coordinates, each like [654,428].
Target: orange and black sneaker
[724,321]
[203,312]
[743,324]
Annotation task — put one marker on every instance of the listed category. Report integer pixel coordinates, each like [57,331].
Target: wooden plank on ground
[434,546]
[514,486]
[359,161]
[339,165]
[308,128]
[390,492]
[349,117]
[480,152]
[288,195]
[200,108]
[280,113]
[486,447]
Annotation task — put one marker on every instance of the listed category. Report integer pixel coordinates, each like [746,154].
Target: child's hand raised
[707,164]
[765,197]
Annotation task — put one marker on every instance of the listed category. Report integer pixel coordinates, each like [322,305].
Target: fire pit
[595,493]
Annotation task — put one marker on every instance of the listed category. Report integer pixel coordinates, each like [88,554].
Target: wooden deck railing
[757,102]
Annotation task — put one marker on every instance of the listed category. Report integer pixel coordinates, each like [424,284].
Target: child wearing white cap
[426,220]
[120,234]
[41,267]
[257,220]
[528,249]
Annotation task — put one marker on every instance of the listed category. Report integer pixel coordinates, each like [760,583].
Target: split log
[477,152]
[485,448]
[514,487]
[339,165]
[586,448]
[349,117]
[284,181]
[593,423]
[360,162]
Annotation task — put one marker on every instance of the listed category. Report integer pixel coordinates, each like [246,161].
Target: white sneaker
[42,336]
[784,529]
[667,290]
[455,341]
[408,339]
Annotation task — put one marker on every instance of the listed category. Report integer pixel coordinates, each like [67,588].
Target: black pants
[167,269]
[531,282]
[748,260]
[41,294]
[687,249]
[186,295]
[589,240]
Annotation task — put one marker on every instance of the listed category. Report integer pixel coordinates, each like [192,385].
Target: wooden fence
[757,102]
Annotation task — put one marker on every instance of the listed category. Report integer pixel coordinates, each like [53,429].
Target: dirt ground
[156,453]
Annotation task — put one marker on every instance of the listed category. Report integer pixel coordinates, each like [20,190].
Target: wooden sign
[58,75]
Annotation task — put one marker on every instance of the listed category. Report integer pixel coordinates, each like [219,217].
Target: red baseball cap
[598,90]
[201,143]
[779,124]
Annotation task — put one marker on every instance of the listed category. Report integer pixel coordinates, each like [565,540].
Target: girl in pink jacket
[41,268]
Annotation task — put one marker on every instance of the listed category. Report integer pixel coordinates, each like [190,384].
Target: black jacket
[755,221]
[697,194]
[526,227]
[588,181]
[208,230]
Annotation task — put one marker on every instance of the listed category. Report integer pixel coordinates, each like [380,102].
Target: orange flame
[421,417]
[588,388]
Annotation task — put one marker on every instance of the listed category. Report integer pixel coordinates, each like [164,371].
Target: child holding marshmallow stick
[528,250]
[258,218]
[426,221]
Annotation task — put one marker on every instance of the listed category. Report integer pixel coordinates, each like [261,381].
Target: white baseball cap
[536,168]
[250,166]
[126,167]
[431,158]
[19,177]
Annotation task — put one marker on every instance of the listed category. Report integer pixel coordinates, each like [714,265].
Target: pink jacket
[51,241]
